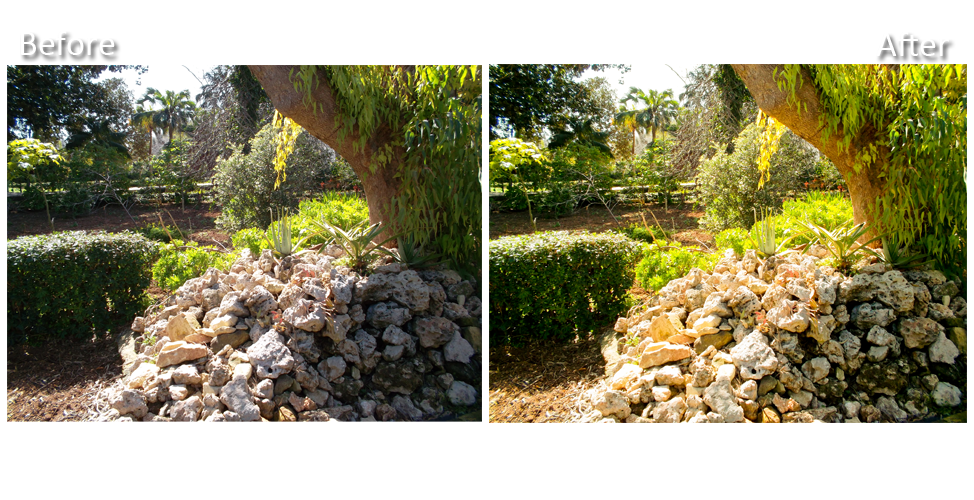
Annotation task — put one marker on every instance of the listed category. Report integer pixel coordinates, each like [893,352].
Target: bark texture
[865,186]
[380,186]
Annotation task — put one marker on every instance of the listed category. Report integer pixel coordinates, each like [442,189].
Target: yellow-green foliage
[181,261]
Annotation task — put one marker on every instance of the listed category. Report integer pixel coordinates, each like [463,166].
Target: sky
[163,77]
[657,77]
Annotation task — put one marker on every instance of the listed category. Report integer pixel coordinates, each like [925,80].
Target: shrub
[74,284]
[159,232]
[245,181]
[251,238]
[728,183]
[344,210]
[659,266]
[639,232]
[828,210]
[182,261]
[735,238]
[552,285]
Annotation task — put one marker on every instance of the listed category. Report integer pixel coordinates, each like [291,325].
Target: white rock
[945,394]
[625,376]
[138,377]
[943,350]
[753,357]
[458,349]
[670,375]
[461,393]
[720,397]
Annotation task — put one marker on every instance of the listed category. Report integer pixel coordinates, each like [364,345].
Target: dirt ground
[58,381]
[541,382]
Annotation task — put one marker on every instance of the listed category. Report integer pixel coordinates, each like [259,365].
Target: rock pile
[787,340]
[299,339]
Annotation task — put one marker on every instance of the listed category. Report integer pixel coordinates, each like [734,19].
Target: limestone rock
[270,357]
[753,357]
[663,352]
[173,353]
[918,333]
[461,393]
[434,332]
[945,394]
[720,397]
[943,350]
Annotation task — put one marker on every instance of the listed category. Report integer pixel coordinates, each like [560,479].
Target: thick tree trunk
[381,186]
[865,186]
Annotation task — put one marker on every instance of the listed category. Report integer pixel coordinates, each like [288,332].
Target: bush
[660,266]
[181,261]
[735,238]
[641,233]
[75,284]
[344,210]
[252,238]
[728,183]
[829,210]
[553,285]
[245,182]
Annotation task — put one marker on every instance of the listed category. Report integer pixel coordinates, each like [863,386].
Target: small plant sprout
[763,238]
[279,236]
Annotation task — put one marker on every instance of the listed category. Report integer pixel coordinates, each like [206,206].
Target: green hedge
[75,284]
[555,285]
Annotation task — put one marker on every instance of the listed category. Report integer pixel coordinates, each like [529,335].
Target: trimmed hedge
[554,285]
[75,284]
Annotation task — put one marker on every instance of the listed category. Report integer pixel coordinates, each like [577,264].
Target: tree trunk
[865,186]
[381,186]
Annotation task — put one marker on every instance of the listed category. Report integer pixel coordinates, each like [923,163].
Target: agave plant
[895,254]
[358,241]
[279,236]
[763,238]
[411,255]
[842,242]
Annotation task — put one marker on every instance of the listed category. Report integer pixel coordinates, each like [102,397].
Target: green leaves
[842,242]
[554,285]
[75,284]
[358,241]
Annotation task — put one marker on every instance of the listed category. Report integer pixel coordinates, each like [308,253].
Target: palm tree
[658,111]
[581,130]
[177,111]
[98,132]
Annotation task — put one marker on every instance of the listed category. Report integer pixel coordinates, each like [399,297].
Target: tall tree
[175,112]
[527,97]
[897,134]
[649,110]
[582,131]
[412,135]
[45,101]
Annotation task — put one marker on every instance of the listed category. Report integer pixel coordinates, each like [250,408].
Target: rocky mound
[787,340]
[298,339]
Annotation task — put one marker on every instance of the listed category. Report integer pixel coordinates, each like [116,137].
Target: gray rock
[236,395]
[671,411]
[720,397]
[891,409]
[461,393]
[186,375]
[458,349]
[943,350]
[405,407]
[383,314]
[434,332]
[753,357]
[869,314]
[816,369]
[613,403]
[270,357]
[945,394]
[187,410]
[306,315]
[406,289]
[129,402]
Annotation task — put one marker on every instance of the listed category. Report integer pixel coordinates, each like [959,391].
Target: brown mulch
[197,223]
[57,381]
[541,382]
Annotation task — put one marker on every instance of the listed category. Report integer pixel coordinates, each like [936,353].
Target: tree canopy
[45,101]
[411,133]
[528,97]
[898,135]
